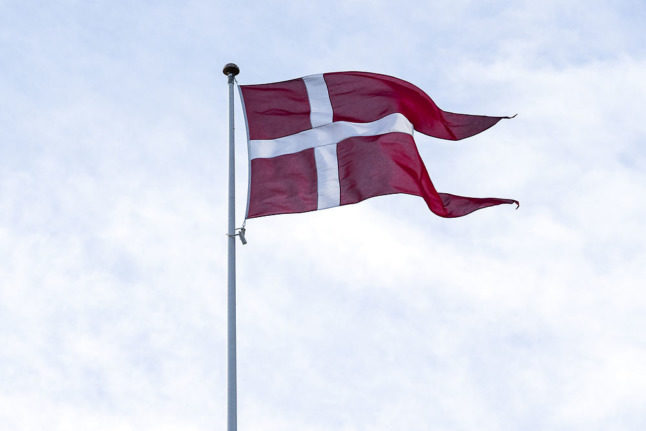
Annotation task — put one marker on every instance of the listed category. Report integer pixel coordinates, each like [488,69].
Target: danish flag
[339,138]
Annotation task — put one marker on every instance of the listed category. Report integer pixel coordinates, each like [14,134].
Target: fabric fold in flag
[339,138]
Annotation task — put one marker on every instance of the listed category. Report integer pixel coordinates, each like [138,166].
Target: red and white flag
[338,138]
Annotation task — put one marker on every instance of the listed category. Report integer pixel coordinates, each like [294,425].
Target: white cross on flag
[338,138]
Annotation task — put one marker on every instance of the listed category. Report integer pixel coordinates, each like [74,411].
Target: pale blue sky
[376,316]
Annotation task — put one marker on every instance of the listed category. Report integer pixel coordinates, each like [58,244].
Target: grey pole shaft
[231,70]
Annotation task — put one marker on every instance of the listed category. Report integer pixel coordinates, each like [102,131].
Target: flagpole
[231,70]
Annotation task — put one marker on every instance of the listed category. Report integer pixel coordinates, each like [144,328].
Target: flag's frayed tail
[458,206]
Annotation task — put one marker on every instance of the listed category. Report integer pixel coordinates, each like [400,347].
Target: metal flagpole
[231,70]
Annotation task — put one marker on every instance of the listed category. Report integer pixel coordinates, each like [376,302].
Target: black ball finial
[231,69]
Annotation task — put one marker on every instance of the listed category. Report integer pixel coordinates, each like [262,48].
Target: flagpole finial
[231,69]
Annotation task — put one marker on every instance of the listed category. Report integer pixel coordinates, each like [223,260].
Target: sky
[376,316]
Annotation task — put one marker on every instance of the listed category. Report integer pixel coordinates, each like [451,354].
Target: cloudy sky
[375,316]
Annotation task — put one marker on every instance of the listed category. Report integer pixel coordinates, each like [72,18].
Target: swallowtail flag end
[338,138]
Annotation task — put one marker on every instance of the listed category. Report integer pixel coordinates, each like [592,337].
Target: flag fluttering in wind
[338,138]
